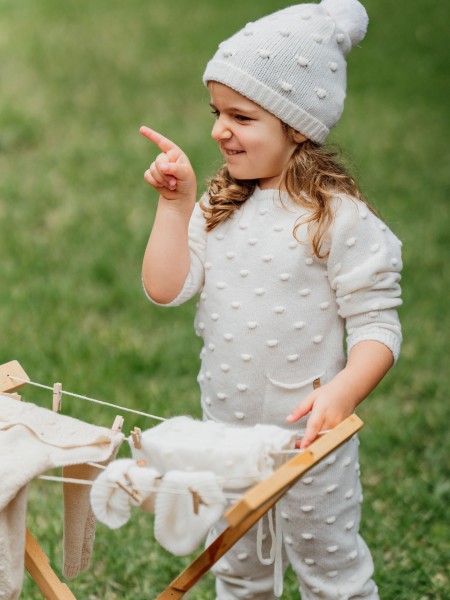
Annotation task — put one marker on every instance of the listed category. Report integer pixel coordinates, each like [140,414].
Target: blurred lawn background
[78,78]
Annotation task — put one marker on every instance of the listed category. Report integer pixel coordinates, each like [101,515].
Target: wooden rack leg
[256,502]
[189,577]
[38,566]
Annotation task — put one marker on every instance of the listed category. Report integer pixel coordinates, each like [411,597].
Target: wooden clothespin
[132,493]
[197,500]
[118,423]
[136,437]
[128,489]
[57,397]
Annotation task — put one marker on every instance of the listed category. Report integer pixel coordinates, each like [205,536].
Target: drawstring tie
[275,555]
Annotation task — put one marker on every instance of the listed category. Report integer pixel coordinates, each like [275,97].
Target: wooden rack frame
[241,516]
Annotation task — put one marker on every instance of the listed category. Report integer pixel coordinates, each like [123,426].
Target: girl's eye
[237,117]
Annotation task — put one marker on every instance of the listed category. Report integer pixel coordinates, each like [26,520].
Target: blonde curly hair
[312,178]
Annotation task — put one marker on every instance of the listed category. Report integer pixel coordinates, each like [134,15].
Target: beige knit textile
[32,441]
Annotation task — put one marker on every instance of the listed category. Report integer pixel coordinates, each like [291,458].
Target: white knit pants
[320,518]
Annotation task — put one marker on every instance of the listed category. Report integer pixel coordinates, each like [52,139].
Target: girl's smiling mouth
[230,151]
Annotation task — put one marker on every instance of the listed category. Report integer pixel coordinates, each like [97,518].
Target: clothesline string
[124,408]
[230,495]
[223,480]
[47,387]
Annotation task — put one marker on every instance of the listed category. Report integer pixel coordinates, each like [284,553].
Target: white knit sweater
[272,315]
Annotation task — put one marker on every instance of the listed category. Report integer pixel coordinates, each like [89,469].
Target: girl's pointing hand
[171,173]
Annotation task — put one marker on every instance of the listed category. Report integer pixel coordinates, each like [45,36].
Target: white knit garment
[238,456]
[32,441]
[111,504]
[181,526]
[188,464]
[272,315]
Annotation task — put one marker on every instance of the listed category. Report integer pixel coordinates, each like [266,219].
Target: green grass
[78,79]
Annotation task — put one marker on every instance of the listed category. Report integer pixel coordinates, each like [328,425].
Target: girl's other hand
[171,173]
[329,405]
[368,362]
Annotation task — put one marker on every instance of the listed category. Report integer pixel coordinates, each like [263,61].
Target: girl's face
[250,138]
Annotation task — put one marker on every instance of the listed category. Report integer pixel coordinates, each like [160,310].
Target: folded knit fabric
[239,456]
[32,441]
[111,504]
[187,505]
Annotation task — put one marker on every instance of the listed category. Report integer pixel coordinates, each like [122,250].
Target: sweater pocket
[280,398]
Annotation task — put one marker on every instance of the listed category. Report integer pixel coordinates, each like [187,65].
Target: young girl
[284,253]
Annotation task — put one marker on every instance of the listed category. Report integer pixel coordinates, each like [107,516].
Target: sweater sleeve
[364,266]
[197,251]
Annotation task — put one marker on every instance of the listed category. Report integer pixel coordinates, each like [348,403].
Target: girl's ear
[299,138]
[293,135]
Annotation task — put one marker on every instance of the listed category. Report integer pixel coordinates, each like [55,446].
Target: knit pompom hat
[292,63]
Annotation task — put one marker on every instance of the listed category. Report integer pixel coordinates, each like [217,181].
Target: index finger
[162,142]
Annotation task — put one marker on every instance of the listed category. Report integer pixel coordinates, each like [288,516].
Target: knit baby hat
[292,63]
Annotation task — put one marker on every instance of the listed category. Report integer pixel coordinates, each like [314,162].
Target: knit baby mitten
[187,506]
[110,502]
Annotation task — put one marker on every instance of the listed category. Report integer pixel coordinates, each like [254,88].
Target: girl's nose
[220,131]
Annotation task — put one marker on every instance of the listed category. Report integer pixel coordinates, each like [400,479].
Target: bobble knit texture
[293,63]
[319,522]
[272,316]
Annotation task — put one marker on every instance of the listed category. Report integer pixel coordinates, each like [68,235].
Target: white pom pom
[350,16]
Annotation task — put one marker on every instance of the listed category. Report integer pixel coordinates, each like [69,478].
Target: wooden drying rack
[241,516]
